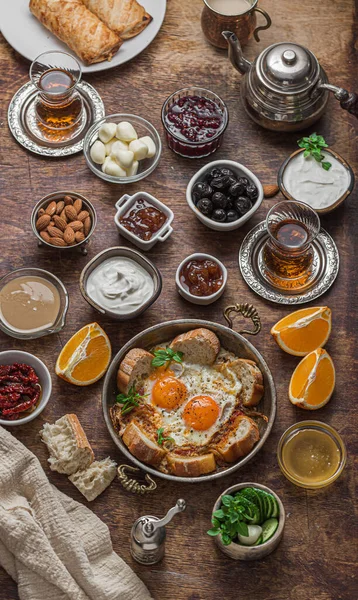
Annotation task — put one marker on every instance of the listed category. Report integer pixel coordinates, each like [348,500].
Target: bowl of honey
[311,454]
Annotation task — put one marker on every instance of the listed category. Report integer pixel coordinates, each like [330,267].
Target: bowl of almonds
[64,220]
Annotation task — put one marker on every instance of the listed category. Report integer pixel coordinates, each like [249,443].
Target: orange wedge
[85,357]
[304,330]
[313,380]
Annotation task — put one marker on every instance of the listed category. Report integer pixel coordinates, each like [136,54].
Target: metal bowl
[231,341]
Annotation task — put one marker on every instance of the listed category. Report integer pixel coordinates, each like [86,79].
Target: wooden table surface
[318,555]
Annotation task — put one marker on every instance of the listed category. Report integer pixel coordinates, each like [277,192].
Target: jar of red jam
[194,121]
[201,278]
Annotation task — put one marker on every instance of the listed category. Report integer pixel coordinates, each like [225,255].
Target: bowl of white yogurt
[304,179]
[120,282]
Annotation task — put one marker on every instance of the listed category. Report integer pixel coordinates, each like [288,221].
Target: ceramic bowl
[57,196]
[239,170]
[240,552]
[338,202]
[143,128]
[136,257]
[203,300]
[16,356]
[124,204]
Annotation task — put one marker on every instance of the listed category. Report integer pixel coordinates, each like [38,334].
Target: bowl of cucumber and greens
[247,521]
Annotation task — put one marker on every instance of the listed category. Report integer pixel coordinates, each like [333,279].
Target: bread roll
[126,18]
[78,27]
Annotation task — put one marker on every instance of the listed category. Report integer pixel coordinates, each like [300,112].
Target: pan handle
[131,485]
[249,312]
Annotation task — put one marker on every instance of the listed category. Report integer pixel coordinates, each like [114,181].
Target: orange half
[85,357]
[312,382]
[304,330]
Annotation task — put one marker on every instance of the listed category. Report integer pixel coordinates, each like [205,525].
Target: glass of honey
[288,254]
[59,105]
[311,454]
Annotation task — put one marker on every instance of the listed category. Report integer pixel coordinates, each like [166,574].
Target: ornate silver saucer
[324,268]
[23,124]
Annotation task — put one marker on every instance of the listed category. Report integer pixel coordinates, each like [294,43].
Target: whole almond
[42,222]
[60,223]
[87,224]
[82,215]
[69,236]
[56,241]
[51,208]
[45,236]
[51,224]
[70,213]
[41,212]
[68,200]
[59,207]
[55,232]
[77,205]
[270,190]
[79,236]
[76,225]
[64,216]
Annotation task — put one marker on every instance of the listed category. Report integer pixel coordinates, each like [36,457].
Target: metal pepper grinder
[148,536]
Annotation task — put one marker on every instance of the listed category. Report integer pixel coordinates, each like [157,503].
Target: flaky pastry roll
[126,18]
[78,27]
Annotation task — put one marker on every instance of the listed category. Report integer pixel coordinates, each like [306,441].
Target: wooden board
[317,557]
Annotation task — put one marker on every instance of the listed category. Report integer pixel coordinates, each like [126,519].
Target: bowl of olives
[224,195]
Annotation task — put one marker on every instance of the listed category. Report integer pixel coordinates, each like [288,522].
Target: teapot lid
[288,68]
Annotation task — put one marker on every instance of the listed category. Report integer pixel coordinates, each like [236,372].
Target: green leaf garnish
[313,147]
[129,401]
[165,357]
[161,438]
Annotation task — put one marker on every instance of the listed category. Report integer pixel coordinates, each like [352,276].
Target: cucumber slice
[259,541]
[276,509]
[268,507]
[269,527]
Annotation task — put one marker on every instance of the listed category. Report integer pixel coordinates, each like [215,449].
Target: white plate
[28,37]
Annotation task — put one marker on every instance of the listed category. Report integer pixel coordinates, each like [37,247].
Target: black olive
[219,215]
[242,205]
[214,173]
[195,197]
[232,180]
[252,191]
[227,172]
[232,215]
[219,200]
[220,183]
[205,206]
[236,190]
[202,190]
[245,182]
[230,203]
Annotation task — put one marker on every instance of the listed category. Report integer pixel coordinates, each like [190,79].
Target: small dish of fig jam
[201,278]
[194,120]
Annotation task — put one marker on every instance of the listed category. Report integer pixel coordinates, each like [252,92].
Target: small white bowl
[239,170]
[125,203]
[203,300]
[17,356]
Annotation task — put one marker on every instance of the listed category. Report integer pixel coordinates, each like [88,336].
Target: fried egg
[193,401]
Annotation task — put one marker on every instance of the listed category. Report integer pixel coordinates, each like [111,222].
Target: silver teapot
[285,88]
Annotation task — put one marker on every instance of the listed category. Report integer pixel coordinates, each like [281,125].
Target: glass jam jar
[194,120]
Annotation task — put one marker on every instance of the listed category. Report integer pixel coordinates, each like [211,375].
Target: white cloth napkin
[52,546]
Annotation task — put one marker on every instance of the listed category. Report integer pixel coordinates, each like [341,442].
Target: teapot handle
[348,100]
[261,27]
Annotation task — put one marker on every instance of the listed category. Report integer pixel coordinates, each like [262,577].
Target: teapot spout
[236,56]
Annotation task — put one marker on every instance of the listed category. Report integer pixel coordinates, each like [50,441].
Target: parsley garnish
[162,438]
[165,357]
[313,147]
[129,401]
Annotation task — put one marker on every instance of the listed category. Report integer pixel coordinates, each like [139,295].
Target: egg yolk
[201,412]
[168,393]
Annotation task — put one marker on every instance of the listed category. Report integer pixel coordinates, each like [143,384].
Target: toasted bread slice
[141,446]
[239,439]
[200,346]
[191,466]
[67,444]
[251,379]
[136,364]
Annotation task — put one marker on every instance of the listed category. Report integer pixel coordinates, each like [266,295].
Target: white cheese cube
[110,145]
[125,158]
[117,146]
[98,152]
[106,132]
[126,132]
[111,167]
[139,149]
[152,149]
[133,170]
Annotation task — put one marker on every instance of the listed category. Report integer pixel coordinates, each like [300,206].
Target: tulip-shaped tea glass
[59,105]
[288,253]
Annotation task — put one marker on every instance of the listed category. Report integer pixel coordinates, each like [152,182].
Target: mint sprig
[313,147]
[165,357]
[161,438]
[129,401]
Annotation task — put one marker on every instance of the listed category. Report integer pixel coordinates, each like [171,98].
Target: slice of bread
[141,446]
[200,346]
[136,364]
[191,466]
[95,479]
[251,379]
[67,444]
[239,439]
